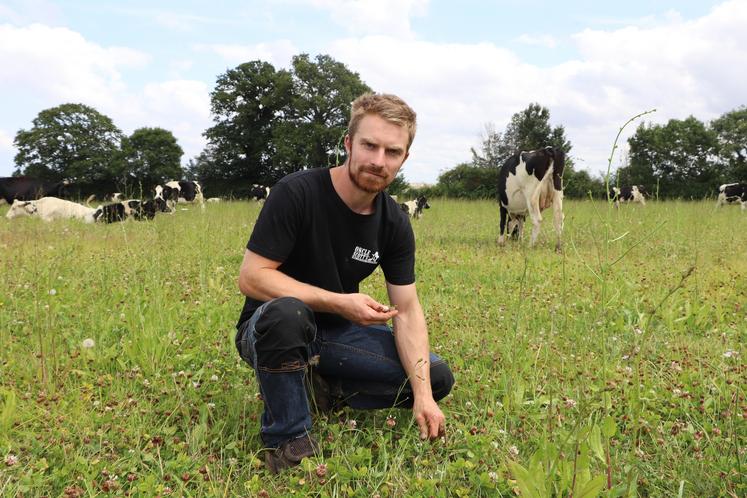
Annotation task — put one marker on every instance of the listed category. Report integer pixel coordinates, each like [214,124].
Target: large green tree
[270,123]
[676,159]
[71,141]
[731,136]
[152,156]
[247,103]
[322,92]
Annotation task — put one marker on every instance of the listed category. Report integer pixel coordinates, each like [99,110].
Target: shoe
[290,453]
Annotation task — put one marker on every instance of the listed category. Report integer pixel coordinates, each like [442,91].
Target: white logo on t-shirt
[365,256]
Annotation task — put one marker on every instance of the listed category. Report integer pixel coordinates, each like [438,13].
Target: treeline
[269,122]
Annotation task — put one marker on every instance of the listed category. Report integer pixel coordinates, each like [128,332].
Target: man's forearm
[411,338]
[265,284]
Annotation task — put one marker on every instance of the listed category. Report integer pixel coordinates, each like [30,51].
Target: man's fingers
[423,425]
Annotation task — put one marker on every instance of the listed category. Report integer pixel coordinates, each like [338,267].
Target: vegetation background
[613,369]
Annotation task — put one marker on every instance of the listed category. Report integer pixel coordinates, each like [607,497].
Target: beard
[368,178]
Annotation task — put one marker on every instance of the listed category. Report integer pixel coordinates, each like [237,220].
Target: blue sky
[461,65]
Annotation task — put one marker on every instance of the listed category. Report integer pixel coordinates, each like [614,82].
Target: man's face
[375,153]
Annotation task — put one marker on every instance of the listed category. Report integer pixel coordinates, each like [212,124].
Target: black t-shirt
[320,241]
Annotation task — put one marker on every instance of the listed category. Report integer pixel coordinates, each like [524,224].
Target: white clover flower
[88,343]
[730,353]
[11,460]
[513,451]
[214,378]
[52,292]
[493,476]
[211,405]
[570,403]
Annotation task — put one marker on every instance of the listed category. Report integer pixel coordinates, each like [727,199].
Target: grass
[614,369]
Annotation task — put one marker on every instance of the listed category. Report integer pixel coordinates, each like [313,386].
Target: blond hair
[388,107]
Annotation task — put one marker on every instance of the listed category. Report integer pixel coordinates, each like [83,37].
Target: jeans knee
[284,331]
[442,380]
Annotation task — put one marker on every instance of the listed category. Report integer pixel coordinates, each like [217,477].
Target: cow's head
[423,203]
[21,208]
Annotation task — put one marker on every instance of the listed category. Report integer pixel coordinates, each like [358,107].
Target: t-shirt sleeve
[398,263]
[277,227]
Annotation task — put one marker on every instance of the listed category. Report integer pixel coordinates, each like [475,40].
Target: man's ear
[347,142]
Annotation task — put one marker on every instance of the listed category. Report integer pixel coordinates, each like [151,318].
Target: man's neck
[359,201]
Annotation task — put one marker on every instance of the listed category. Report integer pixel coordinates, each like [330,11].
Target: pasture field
[616,368]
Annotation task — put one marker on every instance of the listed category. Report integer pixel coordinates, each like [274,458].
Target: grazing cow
[116,197]
[414,209]
[111,213]
[181,191]
[29,189]
[634,193]
[51,208]
[259,192]
[529,182]
[732,193]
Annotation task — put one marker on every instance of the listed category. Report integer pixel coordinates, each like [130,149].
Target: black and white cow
[414,209]
[131,208]
[259,192]
[529,182]
[29,189]
[179,191]
[634,193]
[732,193]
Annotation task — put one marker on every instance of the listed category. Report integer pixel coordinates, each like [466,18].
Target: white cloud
[373,17]
[6,141]
[277,53]
[60,65]
[547,41]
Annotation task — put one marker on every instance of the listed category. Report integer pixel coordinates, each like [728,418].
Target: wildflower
[493,476]
[513,452]
[570,403]
[214,378]
[638,331]
[211,405]
[730,353]
[352,423]
[468,404]
[391,421]
[88,343]
[52,292]
[11,460]
[321,470]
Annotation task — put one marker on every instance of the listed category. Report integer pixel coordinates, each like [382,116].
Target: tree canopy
[152,156]
[71,141]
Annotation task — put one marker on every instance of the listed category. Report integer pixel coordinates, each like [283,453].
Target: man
[319,234]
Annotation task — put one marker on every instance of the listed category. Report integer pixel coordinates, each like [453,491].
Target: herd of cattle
[528,183]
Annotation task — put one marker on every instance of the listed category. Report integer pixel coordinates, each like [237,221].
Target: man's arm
[411,338]
[259,278]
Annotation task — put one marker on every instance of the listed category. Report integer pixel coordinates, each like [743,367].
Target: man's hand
[430,419]
[364,310]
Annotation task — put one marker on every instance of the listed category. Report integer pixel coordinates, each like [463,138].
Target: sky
[463,66]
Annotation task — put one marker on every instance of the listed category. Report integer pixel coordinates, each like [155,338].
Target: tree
[731,137]
[678,157]
[528,130]
[152,156]
[322,93]
[247,103]
[71,141]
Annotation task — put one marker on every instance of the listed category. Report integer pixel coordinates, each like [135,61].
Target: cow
[634,193]
[414,209]
[130,208]
[213,200]
[529,182]
[732,193]
[179,191]
[51,208]
[29,189]
[259,192]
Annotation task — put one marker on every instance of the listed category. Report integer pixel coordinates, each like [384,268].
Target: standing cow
[732,193]
[634,193]
[259,192]
[29,189]
[529,182]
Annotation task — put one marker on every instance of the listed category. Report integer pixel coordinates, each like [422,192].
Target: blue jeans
[360,363]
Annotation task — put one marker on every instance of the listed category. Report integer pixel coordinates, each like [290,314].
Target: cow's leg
[536,216]
[502,232]
[557,206]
